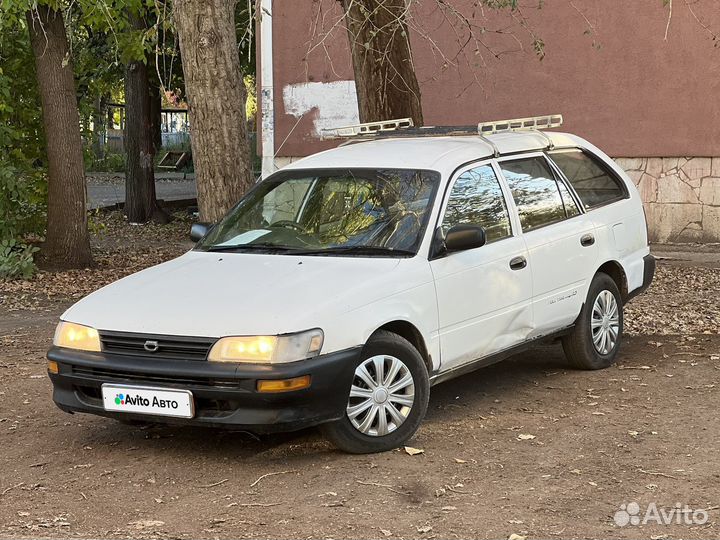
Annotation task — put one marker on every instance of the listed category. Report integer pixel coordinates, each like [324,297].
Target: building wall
[681,196]
[608,67]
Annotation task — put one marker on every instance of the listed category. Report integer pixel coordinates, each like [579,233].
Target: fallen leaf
[458,460]
[525,437]
[413,451]
[514,536]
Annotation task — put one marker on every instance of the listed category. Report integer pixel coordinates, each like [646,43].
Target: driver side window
[477,199]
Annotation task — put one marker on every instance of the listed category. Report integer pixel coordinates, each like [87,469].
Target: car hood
[219,294]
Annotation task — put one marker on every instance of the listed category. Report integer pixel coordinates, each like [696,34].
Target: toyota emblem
[151,346]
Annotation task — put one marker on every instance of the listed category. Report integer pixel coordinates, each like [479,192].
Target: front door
[483,294]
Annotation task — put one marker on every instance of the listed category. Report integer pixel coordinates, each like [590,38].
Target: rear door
[483,294]
[559,237]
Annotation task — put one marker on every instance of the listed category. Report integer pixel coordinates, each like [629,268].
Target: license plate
[148,400]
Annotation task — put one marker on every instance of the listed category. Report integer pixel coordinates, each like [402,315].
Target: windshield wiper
[355,250]
[264,246]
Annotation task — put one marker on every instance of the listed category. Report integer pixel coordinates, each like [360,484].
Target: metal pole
[266,89]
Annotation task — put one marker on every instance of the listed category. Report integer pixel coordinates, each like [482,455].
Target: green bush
[23,189]
[110,163]
[16,259]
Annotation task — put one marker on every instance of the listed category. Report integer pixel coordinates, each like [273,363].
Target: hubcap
[381,396]
[605,322]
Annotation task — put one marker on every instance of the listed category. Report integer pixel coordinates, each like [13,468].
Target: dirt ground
[526,446]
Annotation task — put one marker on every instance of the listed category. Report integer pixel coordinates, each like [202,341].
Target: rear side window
[593,183]
[476,199]
[536,192]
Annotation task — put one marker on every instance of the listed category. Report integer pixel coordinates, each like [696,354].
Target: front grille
[111,375]
[168,347]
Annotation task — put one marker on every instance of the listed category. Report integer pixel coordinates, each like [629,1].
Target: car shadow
[476,391]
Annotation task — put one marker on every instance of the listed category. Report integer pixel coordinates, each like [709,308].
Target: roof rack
[368,128]
[533,123]
[404,127]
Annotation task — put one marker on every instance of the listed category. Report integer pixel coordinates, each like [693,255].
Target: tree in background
[67,242]
[385,79]
[140,140]
[216,102]
[380,45]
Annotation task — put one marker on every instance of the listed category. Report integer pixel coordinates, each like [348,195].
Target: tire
[354,433]
[580,345]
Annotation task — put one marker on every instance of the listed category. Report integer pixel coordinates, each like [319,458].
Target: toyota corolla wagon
[341,288]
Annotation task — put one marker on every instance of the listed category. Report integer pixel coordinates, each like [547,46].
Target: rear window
[593,182]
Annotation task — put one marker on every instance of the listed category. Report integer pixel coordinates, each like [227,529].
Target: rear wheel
[595,340]
[387,398]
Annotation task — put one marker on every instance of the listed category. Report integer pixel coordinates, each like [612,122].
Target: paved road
[107,189]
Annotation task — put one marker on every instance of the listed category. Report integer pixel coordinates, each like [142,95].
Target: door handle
[518,263]
[587,240]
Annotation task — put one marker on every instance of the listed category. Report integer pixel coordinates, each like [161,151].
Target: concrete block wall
[681,197]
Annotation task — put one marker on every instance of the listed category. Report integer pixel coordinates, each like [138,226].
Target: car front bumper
[223,394]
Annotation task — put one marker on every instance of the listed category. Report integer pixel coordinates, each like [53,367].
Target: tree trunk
[99,115]
[67,242]
[385,79]
[156,112]
[140,201]
[215,96]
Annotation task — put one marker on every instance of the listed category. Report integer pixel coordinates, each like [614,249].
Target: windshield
[321,212]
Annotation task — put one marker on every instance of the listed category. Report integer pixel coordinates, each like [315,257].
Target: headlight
[76,336]
[268,349]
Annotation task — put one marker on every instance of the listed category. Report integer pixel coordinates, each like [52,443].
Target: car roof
[440,153]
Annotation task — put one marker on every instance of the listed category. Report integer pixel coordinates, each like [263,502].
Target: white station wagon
[341,288]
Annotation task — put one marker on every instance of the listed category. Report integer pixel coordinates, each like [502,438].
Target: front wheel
[387,399]
[595,340]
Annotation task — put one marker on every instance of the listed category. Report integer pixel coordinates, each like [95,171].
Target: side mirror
[198,230]
[462,237]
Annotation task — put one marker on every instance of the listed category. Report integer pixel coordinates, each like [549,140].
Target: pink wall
[607,68]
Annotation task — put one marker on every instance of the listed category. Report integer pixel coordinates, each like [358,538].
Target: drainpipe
[266,89]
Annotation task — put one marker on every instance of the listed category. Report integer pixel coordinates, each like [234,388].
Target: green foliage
[108,163]
[95,223]
[22,179]
[16,259]
[251,103]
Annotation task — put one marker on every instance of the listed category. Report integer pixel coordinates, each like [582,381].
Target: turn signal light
[53,367]
[284,385]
